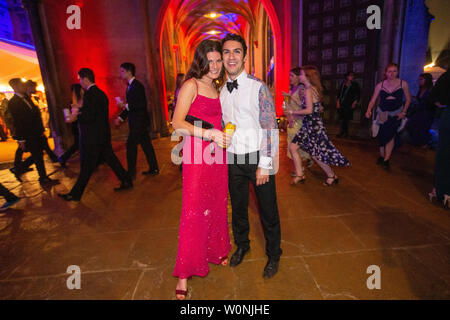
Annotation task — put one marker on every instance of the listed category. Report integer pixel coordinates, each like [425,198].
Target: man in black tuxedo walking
[24,166]
[95,137]
[28,128]
[138,121]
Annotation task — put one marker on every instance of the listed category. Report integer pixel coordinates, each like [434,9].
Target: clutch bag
[198,122]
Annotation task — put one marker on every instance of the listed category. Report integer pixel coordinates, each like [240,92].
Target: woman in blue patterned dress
[312,136]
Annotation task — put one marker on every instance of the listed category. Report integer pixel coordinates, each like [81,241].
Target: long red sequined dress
[203,231]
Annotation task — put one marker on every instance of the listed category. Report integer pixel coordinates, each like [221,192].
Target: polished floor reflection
[125,244]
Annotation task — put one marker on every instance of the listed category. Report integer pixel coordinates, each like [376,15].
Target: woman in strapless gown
[203,230]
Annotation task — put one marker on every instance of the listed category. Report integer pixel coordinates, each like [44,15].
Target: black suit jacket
[93,120]
[347,97]
[137,107]
[26,118]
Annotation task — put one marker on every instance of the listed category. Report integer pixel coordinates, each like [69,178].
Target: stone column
[46,59]
[158,118]
[415,42]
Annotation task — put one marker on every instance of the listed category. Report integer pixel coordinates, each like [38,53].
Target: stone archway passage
[183,24]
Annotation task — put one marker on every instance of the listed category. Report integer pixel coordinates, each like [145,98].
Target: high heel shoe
[298,179]
[224,261]
[181,294]
[432,195]
[335,181]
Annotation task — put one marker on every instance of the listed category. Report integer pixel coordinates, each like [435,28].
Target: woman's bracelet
[208,135]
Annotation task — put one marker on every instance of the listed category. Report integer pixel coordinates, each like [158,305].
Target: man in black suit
[28,128]
[347,100]
[138,121]
[30,87]
[95,137]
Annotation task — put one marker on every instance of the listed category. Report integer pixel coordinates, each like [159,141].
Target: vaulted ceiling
[202,19]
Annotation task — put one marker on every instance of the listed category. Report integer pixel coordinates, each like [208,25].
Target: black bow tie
[232,85]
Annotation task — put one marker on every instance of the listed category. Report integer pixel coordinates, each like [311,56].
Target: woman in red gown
[203,231]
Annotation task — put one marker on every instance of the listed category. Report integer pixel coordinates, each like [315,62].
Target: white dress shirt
[250,107]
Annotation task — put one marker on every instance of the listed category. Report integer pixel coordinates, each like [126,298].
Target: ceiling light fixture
[213,15]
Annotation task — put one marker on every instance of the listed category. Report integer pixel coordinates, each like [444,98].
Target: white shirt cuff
[121,119]
[126,107]
[265,163]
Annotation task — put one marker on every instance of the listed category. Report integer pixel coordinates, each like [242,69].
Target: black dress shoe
[124,186]
[380,160]
[270,269]
[132,175]
[68,197]
[47,181]
[16,174]
[62,162]
[24,170]
[237,256]
[151,172]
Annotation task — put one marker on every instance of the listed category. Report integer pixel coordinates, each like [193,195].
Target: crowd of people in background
[233,159]
[88,117]
[399,118]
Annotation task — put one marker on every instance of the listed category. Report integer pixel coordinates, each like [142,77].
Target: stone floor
[125,244]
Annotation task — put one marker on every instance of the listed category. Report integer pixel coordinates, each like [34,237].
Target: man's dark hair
[235,37]
[87,73]
[31,83]
[129,67]
[349,73]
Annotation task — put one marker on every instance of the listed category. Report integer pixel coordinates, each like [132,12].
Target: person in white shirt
[247,103]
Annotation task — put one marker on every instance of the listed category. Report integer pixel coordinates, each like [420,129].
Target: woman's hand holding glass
[219,137]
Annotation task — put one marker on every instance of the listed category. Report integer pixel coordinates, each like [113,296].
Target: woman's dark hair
[77,89]
[349,73]
[200,65]
[428,80]
[87,73]
[235,37]
[179,80]
[129,67]
[296,71]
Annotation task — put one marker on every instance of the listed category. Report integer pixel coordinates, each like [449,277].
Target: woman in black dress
[421,113]
[394,102]
[441,96]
